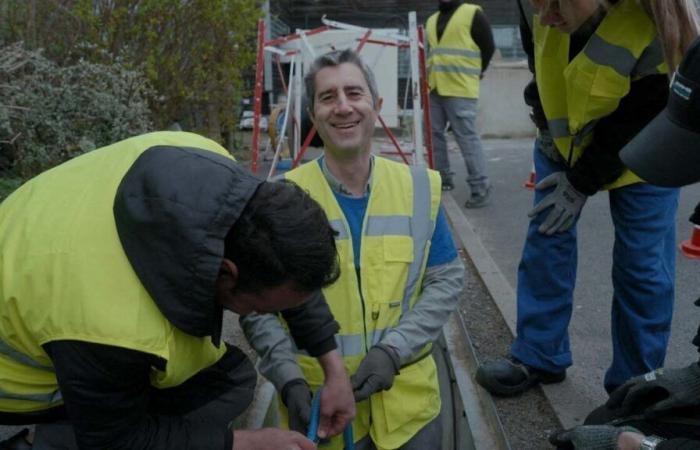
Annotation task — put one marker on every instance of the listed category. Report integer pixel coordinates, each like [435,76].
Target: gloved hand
[589,437]
[376,372]
[659,391]
[566,203]
[296,396]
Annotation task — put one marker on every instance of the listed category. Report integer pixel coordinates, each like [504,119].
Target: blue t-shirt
[442,249]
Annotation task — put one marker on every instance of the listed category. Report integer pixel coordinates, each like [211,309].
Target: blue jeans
[461,113]
[643,282]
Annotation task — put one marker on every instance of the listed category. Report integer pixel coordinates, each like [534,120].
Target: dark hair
[336,58]
[282,235]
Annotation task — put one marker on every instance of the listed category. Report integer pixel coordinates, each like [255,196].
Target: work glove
[296,396]
[589,437]
[658,391]
[565,202]
[376,372]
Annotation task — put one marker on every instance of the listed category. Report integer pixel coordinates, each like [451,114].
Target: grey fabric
[429,437]
[461,114]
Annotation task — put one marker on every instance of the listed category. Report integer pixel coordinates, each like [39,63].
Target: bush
[49,114]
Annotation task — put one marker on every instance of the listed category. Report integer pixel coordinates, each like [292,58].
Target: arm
[106,394]
[600,163]
[442,284]
[483,37]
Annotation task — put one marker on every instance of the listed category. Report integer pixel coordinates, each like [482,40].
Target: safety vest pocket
[398,256]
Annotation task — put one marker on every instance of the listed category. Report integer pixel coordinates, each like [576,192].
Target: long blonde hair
[677,24]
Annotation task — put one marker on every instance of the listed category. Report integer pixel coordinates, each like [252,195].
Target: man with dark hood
[115,270]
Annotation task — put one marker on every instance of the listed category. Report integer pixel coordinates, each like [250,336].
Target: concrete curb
[566,400]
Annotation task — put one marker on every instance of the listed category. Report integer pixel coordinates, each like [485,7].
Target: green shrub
[49,114]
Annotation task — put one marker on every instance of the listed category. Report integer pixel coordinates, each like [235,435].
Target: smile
[345,126]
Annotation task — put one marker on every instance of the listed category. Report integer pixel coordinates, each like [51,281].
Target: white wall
[502,110]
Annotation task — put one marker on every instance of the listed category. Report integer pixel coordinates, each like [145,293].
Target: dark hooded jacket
[172,210]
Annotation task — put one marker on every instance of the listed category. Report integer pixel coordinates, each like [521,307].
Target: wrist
[332,364]
[629,440]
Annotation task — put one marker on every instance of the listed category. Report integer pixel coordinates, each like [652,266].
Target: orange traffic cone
[691,247]
[530,183]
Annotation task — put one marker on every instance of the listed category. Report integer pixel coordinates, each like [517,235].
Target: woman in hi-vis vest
[601,74]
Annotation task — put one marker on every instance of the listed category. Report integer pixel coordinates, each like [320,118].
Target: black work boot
[509,377]
[17,442]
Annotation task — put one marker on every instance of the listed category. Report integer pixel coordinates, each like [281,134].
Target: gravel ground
[527,419]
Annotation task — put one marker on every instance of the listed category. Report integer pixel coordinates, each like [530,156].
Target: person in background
[601,75]
[660,409]
[461,47]
[400,272]
[116,267]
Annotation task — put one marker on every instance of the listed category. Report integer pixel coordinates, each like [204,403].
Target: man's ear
[228,272]
[378,105]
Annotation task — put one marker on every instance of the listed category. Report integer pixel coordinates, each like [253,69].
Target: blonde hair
[677,25]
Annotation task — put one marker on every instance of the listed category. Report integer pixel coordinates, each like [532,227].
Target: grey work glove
[565,202]
[296,396]
[589,437]
[658,391]
[376,372]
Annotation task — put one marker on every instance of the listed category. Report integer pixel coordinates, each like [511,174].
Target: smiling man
[400,274]
[116,267]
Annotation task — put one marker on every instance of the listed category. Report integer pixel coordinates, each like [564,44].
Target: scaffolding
[422,149]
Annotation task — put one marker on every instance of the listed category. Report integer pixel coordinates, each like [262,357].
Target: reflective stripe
[604,53]
[558,128]
[49,397]
[339,227]
[392,225]
[421,225]
[21,357]
[649,61]
[454,69]
[455,52]
[348,345]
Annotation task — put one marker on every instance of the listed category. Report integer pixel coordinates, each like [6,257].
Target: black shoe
[506,378]
[447,185]
[479,200]
[17,442]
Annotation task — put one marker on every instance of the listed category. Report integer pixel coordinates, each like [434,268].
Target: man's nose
[342,104]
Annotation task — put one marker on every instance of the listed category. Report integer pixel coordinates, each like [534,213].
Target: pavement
[495,238]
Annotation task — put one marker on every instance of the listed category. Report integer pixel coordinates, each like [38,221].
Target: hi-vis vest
[66,276]
[454,62]
[576,94]
[368,302]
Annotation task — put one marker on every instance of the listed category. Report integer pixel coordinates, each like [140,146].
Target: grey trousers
[429,437]
[461,114]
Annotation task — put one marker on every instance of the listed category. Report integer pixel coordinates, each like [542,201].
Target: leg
[546,278]
[461,112]
[438,123]
[430,436]
[643,278]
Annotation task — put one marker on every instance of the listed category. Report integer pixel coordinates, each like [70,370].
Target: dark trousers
[218,394]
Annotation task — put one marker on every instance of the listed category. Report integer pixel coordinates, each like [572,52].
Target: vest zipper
[364,311]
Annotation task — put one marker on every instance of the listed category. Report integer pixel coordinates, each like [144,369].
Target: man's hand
[591,437]
[296,396]
[656,392]
[337,401]
[376,372]
[565,202]
[270,439]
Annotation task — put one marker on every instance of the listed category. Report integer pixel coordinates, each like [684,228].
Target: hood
[172,211]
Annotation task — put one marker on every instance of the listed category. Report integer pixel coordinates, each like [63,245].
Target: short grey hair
[333,59]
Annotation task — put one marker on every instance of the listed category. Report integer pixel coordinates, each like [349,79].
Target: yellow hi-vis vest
[576,94]
[65,276]
[454,62]
[396,235]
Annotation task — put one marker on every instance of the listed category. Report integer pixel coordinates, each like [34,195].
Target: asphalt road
[501,227]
